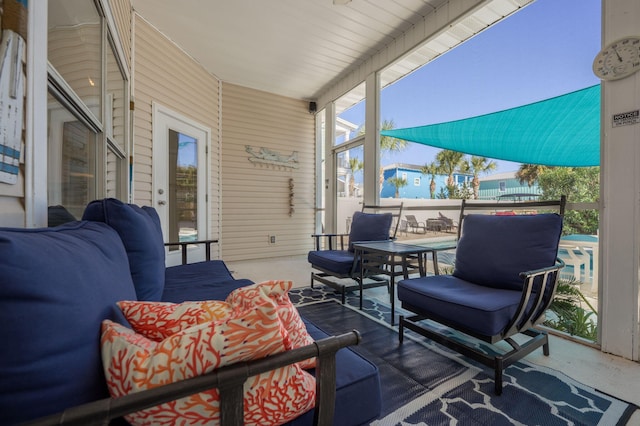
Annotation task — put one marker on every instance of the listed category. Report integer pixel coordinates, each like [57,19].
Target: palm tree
[355,165]
[431,169]
[387,143]
[476,166]
[529,173]
[398,182]
[449,162]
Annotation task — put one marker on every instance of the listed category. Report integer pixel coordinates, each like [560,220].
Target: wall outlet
[272,239]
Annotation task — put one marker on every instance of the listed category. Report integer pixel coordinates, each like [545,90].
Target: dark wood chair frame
[228,380]
[525,319]
[340,242]
[185,244]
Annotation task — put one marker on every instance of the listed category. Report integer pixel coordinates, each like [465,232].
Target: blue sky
[543,51]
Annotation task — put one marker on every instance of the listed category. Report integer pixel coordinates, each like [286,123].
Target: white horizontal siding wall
[256,196]
[121,12]
[163,73]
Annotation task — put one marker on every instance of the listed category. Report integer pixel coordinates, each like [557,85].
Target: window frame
[106,144]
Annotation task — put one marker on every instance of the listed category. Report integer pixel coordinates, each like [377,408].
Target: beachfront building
[506,185]
[418,184]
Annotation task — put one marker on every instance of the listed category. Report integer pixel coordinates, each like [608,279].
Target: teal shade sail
[561,131]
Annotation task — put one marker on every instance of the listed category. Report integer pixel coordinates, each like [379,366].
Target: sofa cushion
[358,394]
[210,271]
[140,231]
[336,261]
[133,363]
[369,227]
[56,287]
[479,309]
[203,291]
[494,250]
[159,320]
[209,280]
[278,291]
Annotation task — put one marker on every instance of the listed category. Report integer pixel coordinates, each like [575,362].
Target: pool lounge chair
[414,225]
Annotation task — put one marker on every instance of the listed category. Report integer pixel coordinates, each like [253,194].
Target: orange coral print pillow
[278,291]
[159,320]
[133,363]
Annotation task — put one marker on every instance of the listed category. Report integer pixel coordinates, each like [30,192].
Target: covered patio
[123,79]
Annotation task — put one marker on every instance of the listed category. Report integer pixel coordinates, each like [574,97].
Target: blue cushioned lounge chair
[504,278]
[333,261]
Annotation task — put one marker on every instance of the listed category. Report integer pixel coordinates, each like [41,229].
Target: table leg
[360,255]
[405,267]
[392,293]
[434,256]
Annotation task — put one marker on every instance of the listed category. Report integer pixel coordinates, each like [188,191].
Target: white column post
[372,140]
[35,157]
[620,195]
[330,185]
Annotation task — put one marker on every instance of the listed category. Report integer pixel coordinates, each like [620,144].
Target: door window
[183,187]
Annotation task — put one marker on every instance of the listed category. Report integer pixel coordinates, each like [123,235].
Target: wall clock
[618,60]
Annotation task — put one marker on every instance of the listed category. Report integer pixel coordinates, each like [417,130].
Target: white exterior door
[180,180]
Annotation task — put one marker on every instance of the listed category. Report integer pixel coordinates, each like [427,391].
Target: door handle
[162,203]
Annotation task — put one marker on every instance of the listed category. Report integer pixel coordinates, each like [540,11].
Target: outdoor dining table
[384,256]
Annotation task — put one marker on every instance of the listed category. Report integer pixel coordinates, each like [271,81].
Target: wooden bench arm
[329,240]
[228,380]
[184,244]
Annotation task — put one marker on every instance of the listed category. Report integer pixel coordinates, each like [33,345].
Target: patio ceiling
[300,48]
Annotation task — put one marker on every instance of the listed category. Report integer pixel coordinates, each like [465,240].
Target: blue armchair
[504,279]
[334,263]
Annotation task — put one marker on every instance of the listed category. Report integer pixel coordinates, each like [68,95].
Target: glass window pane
[183,187]
[350,111]
[115,108]
[71,164]
[115,174]
[350,168]
[75,48]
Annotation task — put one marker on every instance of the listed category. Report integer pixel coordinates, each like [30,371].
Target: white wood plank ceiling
[300,48]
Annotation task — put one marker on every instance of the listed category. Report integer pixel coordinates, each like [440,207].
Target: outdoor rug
[424,383]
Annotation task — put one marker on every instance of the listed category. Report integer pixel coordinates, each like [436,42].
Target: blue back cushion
[56,287]
[140,231]
[493,250]
[369,227]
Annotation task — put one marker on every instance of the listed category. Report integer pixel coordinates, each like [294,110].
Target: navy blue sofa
[58,284]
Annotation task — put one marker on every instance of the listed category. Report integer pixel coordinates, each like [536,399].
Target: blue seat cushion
[140,231]
[56,287]
[209,280]
[358,394]
[369,227]
[494,250]
[337,261]
[481,309]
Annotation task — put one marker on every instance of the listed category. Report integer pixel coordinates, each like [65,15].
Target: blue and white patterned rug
[424,383]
